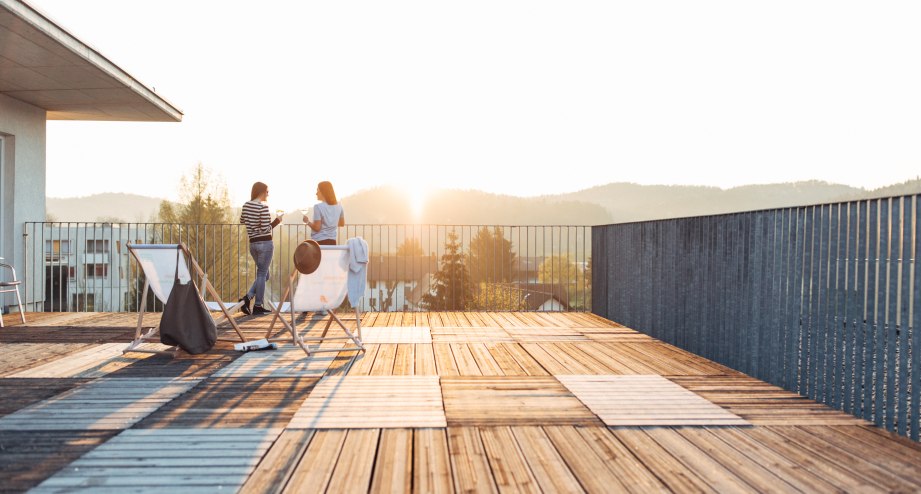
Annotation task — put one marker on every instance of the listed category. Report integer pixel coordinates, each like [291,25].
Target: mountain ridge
[609,203]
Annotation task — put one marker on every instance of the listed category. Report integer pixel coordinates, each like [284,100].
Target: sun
[417,197]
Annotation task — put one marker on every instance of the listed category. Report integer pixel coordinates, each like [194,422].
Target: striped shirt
[258,221]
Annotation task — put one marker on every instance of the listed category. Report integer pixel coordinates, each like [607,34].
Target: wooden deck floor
[440,402]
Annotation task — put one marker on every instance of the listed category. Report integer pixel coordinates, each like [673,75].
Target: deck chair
[323,290]
[158,261]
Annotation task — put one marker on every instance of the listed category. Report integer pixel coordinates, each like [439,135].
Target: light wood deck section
[455,402]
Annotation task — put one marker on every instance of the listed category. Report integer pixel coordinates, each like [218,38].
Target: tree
[498,296]
[407,252]
[492,258]
[203,200]
[567,274]
[451,289]
[204,220]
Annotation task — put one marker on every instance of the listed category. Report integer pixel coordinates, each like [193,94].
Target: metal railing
[86,267]
[823,300]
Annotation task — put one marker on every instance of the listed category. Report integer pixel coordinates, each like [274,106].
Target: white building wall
[22,127]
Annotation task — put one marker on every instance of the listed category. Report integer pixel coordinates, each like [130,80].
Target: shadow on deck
[465,402]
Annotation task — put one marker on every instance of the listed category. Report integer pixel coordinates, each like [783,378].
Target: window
[57,247]
[97,246]
[72,272]
[96,270]
[85,302]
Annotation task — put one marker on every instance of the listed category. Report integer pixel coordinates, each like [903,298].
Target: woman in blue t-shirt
[327,216]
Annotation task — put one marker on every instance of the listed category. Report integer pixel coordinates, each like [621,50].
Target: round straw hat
[307,256]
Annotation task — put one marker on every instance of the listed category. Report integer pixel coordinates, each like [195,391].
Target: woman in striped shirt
[259,226]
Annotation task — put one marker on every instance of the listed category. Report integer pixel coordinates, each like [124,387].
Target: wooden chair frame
[204,283]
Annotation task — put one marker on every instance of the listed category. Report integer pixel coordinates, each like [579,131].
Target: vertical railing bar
[870,308]
[915,418]
[890,397]
[904,315]
[879,326]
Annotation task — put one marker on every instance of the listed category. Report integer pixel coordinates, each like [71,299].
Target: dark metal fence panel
[823,300]
[80,266]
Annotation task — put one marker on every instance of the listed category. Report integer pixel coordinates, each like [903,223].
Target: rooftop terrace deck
[440,402]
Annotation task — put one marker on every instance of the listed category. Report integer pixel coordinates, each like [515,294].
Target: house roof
[536,294]
[44,65]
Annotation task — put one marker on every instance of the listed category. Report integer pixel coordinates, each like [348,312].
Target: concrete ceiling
[43,65]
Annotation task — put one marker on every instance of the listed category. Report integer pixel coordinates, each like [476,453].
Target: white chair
[158,262]
[323,290]
[11,285]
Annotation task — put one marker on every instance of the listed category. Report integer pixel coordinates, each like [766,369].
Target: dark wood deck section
[511,425]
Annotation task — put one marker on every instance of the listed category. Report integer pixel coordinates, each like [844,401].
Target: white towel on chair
[358,269]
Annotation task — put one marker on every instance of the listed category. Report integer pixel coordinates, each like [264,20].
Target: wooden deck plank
[618,458]
[362,402]
[16,357]
[217,465]
[27,458]
[466,363]
[404,363]
[548,361]
[425,360]
[509,467]
[431,462]
[469,462]
[548,467]
[484,360]
[527,362]
[234,402]
[512,401]
[363,362]
[590,469]
[675,475]
[802,479]
[507,365]
[277,466]
[356,462]
[742,467]
[393,469]
[315,468]
[385,360]
[444,360]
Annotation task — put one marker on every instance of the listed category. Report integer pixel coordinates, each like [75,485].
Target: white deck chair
[158,261]
[324,289]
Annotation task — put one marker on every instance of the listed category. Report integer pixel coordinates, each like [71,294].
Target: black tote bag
[186,321]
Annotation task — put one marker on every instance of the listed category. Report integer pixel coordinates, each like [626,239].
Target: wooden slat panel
[425,360]
[277,466]
[393,469]
[363,362]
[20,356]
[228,402]
[356,461]
[211,459]
[548,467]
[444,360]
[363,402]
[288,362]
[20,393]
[101,404]
[385,360]
[509,467]
[466,363]
[431,462]
[591,470]
[96,361]
[404,364]
[511,401]
[645,400]
[313,472]
[29,457]
[507,365]
[469,461]
[397,334]
[527,362]
[484,360]
[669,470]
[625,466]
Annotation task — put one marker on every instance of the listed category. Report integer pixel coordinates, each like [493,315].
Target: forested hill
[616,202]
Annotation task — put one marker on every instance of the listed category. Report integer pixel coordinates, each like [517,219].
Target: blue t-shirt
[329,221]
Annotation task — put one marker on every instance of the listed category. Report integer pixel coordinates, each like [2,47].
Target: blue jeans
[262,254]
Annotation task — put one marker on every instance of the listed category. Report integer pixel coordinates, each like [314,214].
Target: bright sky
[522,97]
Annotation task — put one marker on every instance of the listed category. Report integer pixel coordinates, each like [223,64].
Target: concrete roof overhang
[44,65]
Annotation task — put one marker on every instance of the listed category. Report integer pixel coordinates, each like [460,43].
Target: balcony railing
[520,268]
[823,300]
